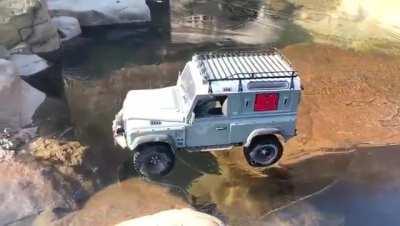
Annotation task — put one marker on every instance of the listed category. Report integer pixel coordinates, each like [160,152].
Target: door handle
[221,128]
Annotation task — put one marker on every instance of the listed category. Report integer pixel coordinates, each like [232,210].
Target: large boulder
[4,53]
[28,64]
[18,100]
[68,27]
[123,201]
[106,12]
[27,21]
[182,217]
[27,188]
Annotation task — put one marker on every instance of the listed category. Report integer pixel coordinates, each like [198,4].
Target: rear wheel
[154,160]
[264,151]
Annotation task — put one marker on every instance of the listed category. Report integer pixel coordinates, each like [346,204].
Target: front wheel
[154,160]
[264,152]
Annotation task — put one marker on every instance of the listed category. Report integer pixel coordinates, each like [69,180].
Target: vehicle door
[210,124]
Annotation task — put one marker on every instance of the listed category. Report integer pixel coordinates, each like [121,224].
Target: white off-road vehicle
[221,99]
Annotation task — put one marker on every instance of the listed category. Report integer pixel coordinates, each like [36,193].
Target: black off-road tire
[264,151]
[154,160]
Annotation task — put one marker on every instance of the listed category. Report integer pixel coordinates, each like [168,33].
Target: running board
[209,148]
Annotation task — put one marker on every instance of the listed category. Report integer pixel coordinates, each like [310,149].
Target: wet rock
[68,153]
[69,158]
[68,27]
[27,188]
[28,65]
[6,155]
[182,217]
[19,100]
[8,73]
[48,216]
[27,22]
[13,140]
[93,13]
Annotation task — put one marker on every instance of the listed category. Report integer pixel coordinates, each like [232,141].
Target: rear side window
[266,102]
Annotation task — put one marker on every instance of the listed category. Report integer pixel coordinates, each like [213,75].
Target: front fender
[266,131]
[155,138]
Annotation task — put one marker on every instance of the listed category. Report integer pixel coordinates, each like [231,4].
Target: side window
[211,106]
[266,102]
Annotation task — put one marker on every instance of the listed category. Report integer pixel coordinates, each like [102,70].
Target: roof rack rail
[244,65]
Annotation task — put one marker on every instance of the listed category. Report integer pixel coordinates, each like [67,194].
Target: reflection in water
[367,194]
[245,196]
[224,22]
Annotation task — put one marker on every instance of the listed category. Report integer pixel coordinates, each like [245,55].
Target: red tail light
[266,102]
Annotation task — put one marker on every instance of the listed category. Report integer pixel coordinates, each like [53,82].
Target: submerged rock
[107,12]
[69,27]
[18,100]
[27,22]
[182,217]
[69,153]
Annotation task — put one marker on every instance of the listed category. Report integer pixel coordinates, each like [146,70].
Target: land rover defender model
[221,99]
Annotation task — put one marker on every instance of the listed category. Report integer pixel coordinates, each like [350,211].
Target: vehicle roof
[233,71]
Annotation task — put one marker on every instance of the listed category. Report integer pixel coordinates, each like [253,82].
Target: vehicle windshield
[187,89]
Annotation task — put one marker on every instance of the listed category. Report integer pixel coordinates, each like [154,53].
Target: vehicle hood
[152,105]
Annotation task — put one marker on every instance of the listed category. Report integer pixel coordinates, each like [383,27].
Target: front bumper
[119,132]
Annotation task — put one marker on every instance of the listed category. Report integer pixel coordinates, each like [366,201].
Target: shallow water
[103,65]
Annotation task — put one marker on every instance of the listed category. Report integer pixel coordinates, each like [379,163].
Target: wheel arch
[262,133]
[153,139]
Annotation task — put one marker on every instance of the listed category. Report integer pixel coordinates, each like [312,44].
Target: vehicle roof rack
[242,65]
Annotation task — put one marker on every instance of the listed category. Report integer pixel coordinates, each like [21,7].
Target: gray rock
[27,188]
[27,21]
[19,100]
[105,12]
[28,65]
[4,53]
[69,27]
